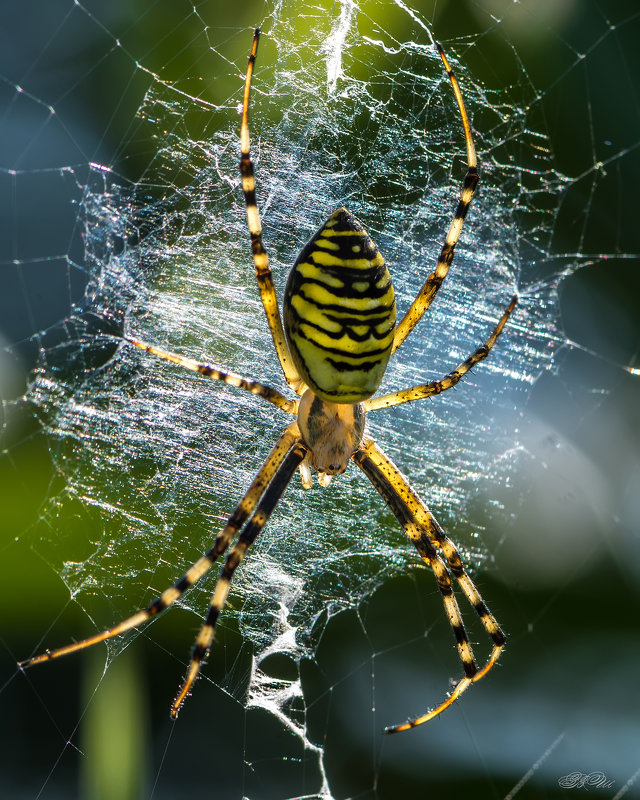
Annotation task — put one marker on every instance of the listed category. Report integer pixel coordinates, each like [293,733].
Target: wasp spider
[334,341]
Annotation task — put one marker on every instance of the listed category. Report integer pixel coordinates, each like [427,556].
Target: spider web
[350,107]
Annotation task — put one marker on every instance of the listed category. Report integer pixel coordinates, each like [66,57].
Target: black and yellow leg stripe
[235,522]
[339,311]
[426,534]
[259,519]
[434,281]
[439,537]
[260,258]
[231,378]
[450,380]
[421,514]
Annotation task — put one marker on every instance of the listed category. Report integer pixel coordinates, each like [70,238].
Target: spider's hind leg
[255,525]
[266,475]
[427,535]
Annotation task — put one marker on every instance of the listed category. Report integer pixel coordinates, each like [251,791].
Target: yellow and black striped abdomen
[339,312]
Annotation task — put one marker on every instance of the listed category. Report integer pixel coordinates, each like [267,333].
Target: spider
[333,342]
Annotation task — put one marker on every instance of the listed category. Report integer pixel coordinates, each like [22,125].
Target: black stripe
[357,320]
[273,493]
[212,616]
[364,366]
[257,248]
[446,257]
[347,281]
[456,567]
[183,584]
[156,607]
[231,564]
[250,197]
[343,271]
[460,634]
[346,330]
[470,668]
[343,246]
[499,637]
[470,182]
[347,291]
[198,653]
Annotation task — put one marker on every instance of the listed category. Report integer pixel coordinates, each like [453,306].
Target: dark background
[565,584]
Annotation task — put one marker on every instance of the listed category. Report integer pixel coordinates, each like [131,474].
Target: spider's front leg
[450,380]
[260,258]
[217,373]
[435,280]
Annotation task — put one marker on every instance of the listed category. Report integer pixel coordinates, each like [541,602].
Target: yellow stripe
[205,635]
[321,296]
[326,232]
[326,243]
[169,596]
[313,272]
[327,260]
[221,592]
[352,349]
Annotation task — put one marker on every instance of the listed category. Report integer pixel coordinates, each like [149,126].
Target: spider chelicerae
[333,342]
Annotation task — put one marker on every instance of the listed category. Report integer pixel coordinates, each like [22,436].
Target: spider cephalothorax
[339,332]
[332,432]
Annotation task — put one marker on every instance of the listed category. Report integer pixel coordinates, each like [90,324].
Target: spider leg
[450,380]
[235,522]
[248,384]
[259,519]
[425,533]
[260,258]
[434,281]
